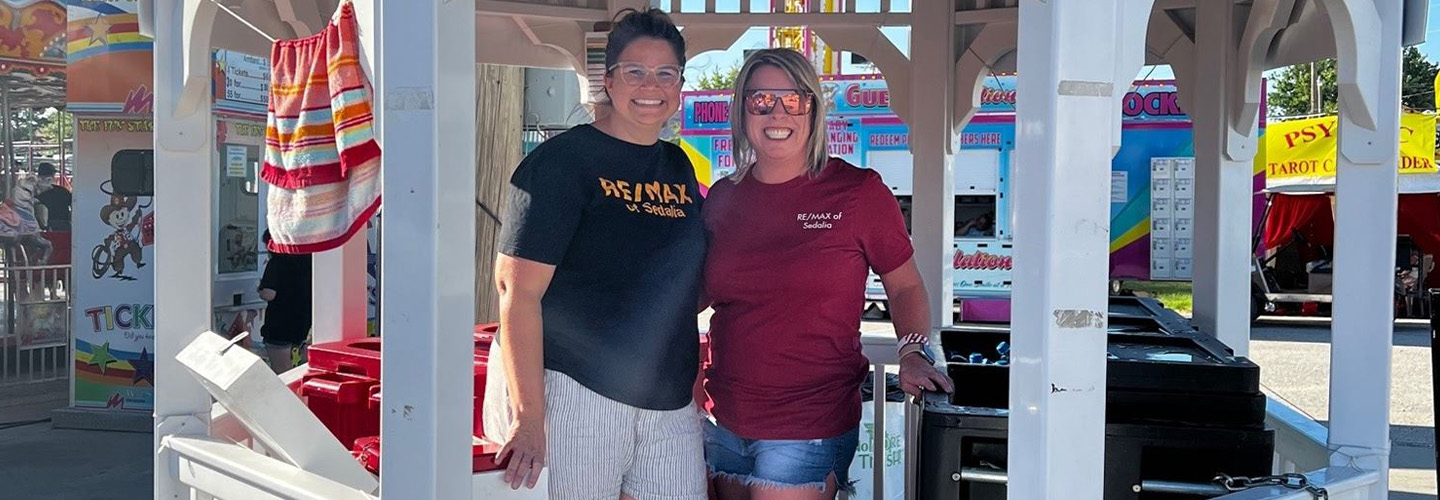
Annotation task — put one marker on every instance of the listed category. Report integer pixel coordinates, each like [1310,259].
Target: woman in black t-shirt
[599,274]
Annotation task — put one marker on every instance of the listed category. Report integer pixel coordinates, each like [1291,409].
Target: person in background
[286,286]
[978,227]
[53,200]
[598,274]
[793,234]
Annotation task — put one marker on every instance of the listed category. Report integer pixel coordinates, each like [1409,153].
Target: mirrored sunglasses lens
[760,103]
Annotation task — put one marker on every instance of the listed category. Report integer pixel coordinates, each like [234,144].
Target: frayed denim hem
[843,486]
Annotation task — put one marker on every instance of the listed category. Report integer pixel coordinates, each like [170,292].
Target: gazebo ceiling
[1307,38]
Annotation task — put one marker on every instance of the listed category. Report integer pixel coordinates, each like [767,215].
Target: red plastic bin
[367,451]
[340,401]
[352,356]
[357,361]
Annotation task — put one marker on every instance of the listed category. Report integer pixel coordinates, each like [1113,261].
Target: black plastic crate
[961,447]
[1154,378]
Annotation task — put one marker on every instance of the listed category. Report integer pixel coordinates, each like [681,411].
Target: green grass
[1174,294]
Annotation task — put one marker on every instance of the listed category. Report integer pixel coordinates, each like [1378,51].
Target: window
[132,172]
[238,209]
[975,216]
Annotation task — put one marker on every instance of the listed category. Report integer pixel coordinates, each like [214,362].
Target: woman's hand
[267,294]
[917,374]
[526,451]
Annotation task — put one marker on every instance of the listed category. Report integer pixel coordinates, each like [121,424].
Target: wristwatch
[920,339]
[924,352]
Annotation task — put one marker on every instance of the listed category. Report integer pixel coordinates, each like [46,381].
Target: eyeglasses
[636,74]
[762,101]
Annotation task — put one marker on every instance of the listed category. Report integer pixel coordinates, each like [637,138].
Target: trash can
[1180,408]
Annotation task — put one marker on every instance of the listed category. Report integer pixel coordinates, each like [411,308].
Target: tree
[1290,90]
[54,124]
[721,79]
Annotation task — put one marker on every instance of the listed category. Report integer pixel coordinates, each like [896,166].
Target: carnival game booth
[1074,59]
[114,244]
[1295,244]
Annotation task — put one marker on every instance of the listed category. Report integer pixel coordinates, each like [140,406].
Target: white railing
[1300,446]
[215,469]
[35,329]
[1299,440]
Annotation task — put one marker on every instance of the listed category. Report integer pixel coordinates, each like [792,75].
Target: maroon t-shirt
[786,269]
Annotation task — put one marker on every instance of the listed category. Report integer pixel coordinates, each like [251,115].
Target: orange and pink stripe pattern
[321,156]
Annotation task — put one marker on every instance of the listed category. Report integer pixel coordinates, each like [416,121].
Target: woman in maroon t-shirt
[793,235]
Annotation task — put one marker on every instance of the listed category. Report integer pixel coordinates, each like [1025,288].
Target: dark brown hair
[634,24]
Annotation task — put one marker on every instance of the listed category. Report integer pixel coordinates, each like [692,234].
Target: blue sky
[759,38]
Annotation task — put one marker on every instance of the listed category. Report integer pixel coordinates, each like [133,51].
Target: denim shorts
[780,463]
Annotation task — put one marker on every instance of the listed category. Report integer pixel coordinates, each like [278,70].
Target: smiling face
[637,93]
[778,136]
[119,217]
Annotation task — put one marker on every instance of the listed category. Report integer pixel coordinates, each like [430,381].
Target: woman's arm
[522,283]
[910,313]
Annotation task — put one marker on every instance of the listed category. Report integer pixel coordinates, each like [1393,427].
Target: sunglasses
[762,102]
[636,74]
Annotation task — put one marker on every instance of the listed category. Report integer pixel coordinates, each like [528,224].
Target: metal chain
[1292,481]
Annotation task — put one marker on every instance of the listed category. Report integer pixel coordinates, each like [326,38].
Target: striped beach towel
[321,157]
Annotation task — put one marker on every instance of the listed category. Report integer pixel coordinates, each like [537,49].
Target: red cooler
[340,401]
[342,387]
[352,356]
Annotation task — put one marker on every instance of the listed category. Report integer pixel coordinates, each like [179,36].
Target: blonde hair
[803,73]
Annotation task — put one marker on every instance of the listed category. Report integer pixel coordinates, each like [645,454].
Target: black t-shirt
[57,203]
[621,223]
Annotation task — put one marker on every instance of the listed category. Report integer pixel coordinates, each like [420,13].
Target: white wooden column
[340,301]
[932,85]
[1224,182]
[1064,124]
[1368,42]
[183,210]
[425,84]
[341,274]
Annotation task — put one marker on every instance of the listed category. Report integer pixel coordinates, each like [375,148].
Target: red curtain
[1420,218]
[1307,214]
[1310,215]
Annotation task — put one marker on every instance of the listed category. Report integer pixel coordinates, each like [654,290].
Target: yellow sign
[1304,150]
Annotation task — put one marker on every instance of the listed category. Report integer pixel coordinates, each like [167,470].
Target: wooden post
[499,106]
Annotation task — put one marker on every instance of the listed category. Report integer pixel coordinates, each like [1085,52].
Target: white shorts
[598,448]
